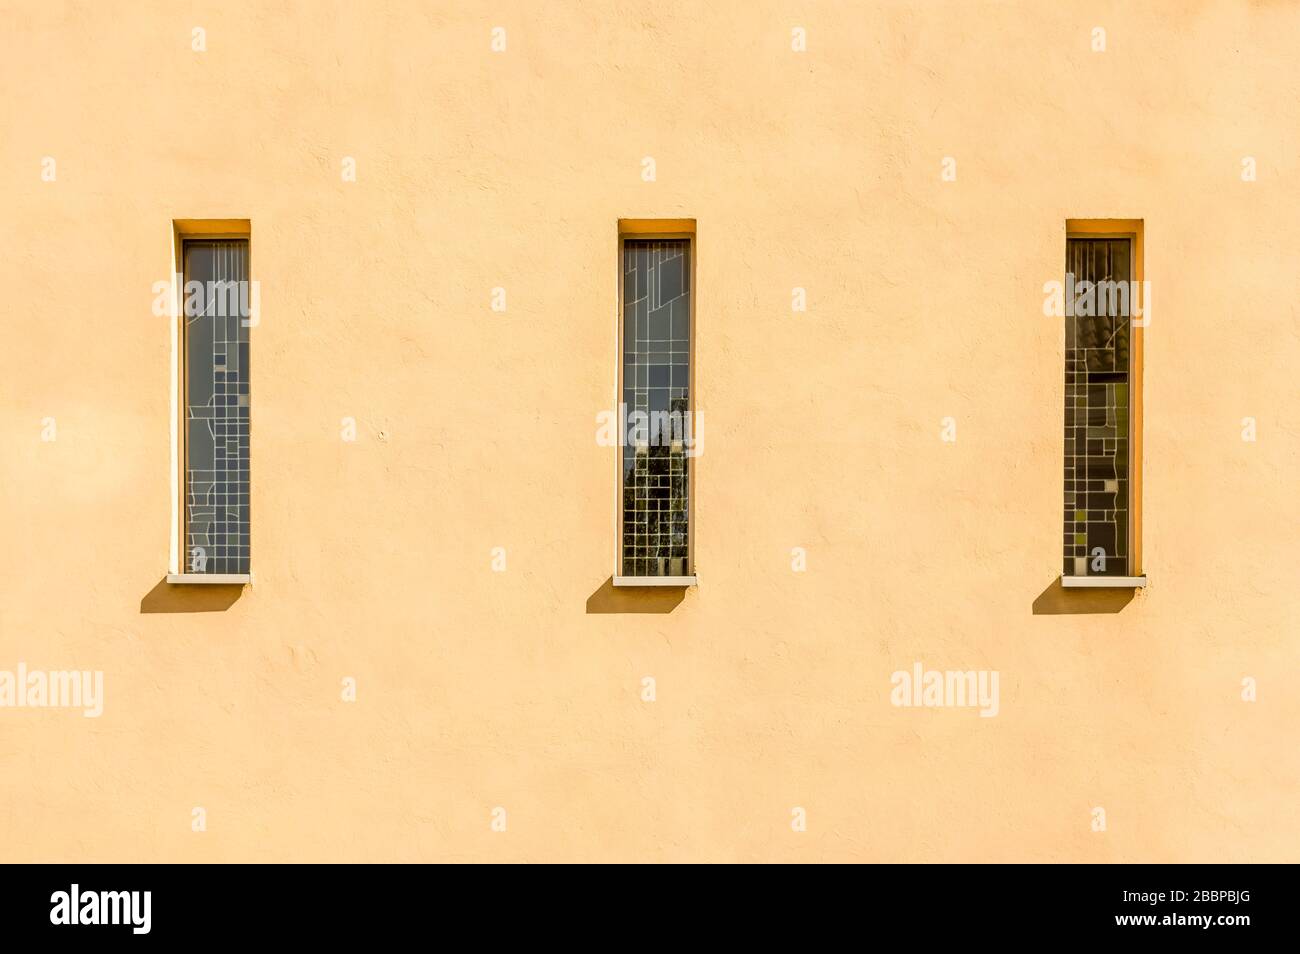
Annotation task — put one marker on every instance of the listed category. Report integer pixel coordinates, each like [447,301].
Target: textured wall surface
[522,689]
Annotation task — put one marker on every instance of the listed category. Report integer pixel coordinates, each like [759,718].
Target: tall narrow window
[216,406]
[1100,295]
[655,540]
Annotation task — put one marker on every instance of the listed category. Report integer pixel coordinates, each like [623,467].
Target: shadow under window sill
[634,599]
[168,597]
[1058,600]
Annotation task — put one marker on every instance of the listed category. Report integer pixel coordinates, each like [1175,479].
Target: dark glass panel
[1097,329]
[217,304]
[656,350]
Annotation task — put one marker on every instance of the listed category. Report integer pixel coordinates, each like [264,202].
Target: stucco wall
[522,689]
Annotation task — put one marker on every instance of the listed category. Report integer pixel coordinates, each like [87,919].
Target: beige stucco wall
[522,689]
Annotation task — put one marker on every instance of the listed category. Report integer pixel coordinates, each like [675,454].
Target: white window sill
[680,581]
[228,579]
[1104,582]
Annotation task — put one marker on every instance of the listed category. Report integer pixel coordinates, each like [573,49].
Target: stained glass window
[1097,440]
[656,396]
[216,313]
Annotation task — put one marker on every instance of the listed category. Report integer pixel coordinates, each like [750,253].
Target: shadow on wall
[650,599]
[1056,600]
[181,598]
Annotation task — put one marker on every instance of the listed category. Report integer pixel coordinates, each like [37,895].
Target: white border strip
[226,578]
[1106,582]
[173,476]
[656,581]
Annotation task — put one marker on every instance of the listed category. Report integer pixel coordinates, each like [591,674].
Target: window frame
[183,231]
[662,230]
[1133,231]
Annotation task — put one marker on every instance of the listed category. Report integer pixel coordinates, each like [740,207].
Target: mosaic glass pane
[216,406]
[1097,328]
[656,394]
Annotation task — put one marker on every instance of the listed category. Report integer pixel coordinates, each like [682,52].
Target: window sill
[1104,582]
[228,579]
[679,581]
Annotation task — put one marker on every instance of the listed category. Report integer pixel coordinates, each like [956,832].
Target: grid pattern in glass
[216,406]
[656,384]
[1097,332]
